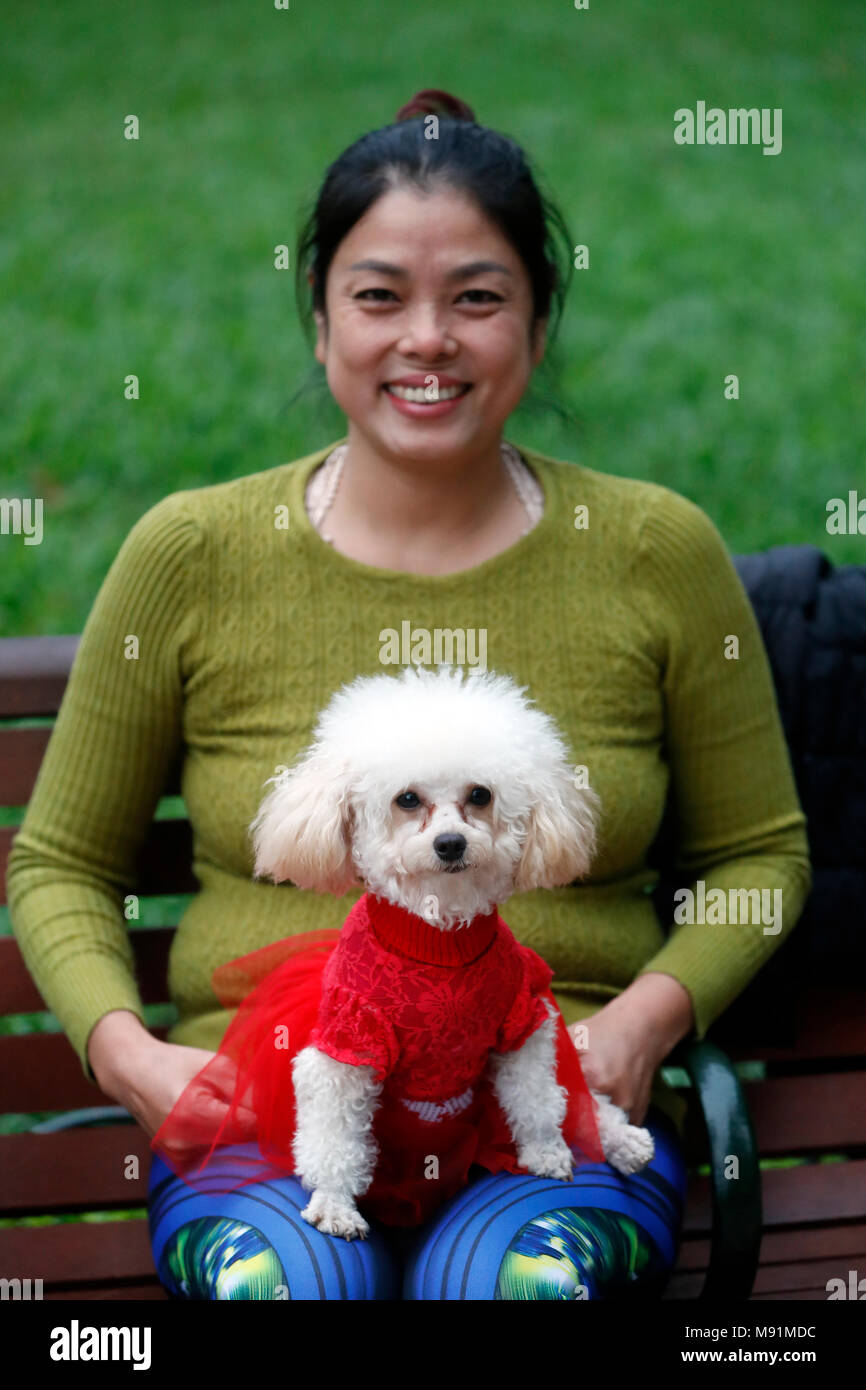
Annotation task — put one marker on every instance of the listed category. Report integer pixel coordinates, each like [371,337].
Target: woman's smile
[428,401]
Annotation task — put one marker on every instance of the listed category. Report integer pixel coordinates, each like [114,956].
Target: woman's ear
[321,345]
[302,832]
[539,341]
[560,836]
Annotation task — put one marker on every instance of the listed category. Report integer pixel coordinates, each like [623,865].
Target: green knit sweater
[226,622]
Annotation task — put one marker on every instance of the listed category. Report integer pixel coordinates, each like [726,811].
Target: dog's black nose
[449,847]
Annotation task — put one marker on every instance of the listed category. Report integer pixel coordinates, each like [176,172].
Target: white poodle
[444,795]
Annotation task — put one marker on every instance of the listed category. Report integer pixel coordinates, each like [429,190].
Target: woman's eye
[479,796]
[496,298]
[378,291]
[407,801]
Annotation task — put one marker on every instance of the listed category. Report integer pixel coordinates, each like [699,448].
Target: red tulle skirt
[245,1095]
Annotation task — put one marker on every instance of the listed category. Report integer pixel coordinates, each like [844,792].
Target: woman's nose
[427,335]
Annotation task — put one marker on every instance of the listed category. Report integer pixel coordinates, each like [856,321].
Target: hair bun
[432,101]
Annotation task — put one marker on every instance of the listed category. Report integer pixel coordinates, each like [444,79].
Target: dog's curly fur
[333,821]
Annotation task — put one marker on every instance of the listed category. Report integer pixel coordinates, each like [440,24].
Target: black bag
[813,621]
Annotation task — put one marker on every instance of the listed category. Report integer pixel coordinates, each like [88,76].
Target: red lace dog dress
[424,1008]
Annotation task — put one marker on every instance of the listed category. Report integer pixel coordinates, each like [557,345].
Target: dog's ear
[303,828]
[560,836]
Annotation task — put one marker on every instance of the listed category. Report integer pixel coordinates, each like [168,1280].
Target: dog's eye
[407,801]
[479,796]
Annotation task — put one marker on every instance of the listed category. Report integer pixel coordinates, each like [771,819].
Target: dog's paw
[628,1148]
[633,1150]
[335,1216]
[547,1159]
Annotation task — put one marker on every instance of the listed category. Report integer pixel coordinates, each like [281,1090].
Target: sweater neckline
[397,929]
[326,554]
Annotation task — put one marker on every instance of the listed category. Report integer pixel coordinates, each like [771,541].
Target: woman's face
[447,298]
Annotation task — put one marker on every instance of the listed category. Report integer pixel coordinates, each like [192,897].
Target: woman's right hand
[156,1081]
[146,1076]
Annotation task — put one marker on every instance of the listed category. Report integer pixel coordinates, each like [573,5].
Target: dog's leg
[533,1102]
[628,1148]
[334,1150]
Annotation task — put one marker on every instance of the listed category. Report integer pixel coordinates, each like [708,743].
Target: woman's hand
[617,1062]
[630,1037]
[157,1080]
[148,1077]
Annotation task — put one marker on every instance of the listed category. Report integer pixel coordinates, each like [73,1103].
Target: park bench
[775,1233]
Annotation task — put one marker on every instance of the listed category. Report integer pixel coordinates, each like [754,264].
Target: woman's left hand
[629,1038]
[618,1063]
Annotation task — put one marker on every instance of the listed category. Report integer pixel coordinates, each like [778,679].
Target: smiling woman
[435,272]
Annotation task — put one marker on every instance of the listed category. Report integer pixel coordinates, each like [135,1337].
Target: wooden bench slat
[33,674]
[814,1192]
[804,1296]
[794,1264]
[40,1071]
[804,1274]
[81,1252]
[795,1114]
[786,1247]
[150,946]
[21,754]
[73,1170]
[799,1277]
[830,1023]
[163,865]
[814,1243]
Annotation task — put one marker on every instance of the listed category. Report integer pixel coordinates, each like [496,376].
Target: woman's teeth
[422,395]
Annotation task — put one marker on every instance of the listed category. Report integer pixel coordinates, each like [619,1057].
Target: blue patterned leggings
[505,1236]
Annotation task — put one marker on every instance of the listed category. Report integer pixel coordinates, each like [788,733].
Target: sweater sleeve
[528,1010]
[73,860]
[351,1029]
[740,827]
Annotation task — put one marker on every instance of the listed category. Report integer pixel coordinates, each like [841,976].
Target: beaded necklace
[322,487]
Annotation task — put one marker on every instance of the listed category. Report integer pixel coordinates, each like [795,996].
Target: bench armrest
[737,1211]
[92,1115]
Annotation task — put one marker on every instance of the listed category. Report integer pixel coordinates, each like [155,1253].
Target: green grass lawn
[155,257]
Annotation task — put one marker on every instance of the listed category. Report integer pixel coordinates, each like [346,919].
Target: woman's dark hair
[489,167]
